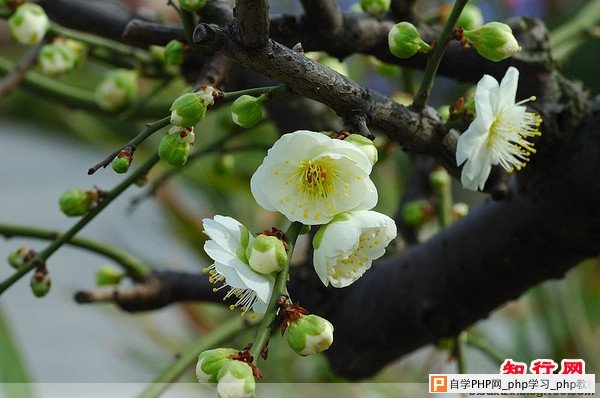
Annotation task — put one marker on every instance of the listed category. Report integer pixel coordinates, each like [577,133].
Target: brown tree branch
[324,15]
[417,132]
[251,21]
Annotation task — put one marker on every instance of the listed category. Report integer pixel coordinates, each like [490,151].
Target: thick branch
[416,132]
[323,14]
[160,290]
[251,23]
[494,255]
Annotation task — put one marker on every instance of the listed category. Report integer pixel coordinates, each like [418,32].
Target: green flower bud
[494,41]
[108,275]
[56,59]
[439,180]
[404,40]
[413,214]
[266,254]
[158,53]
[192,5]
[224,164]
[174,52]
[18,257]
[444,112]
[246,111]
[375,7]
[235,380]
[365,145]
[210,362]
[187,110]
[470,17]
[122,161]
[120,165]
[75,202]
[208,94]
[310,334]
[40,283]
[174,150]
[78,48]
[28,24]
[117,90]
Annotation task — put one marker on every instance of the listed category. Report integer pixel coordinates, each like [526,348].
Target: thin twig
[134,267]
[70,234]
[147,132]
[434,62]
[18,73]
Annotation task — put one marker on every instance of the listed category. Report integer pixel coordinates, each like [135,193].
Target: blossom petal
[470,141]
[225,231]
[508,89]
[486,103]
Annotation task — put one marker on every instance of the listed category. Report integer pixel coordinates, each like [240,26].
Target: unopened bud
[266,254]
[78,48]
[444,112]
[440,180]
[75,202]
[108,275]
[208,94]
[224,164]
[413,213]
[174,150]
[235,380]
[117,90]
[404,40]
[310,334]
[18,257]
[246,111]
[469,18]
[40,283]
[375,7]
[122,161]
[56,59]
[187,110]
[28,24]
[174,52]
[192,5]
[365,145]
[494,41]
[460,209]
[211,361]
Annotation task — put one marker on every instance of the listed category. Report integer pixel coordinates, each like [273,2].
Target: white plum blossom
[346,247]
[226,246]
[500,132]
[310,177]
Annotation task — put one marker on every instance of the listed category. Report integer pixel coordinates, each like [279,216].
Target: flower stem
[459,352]
[68,235]
[68,95]
[137,140]
[134,267]
[215,338]
[434,62]
[485,347]
[273,90]
[98,41]
[280,288]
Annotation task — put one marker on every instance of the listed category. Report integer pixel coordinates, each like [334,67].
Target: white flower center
[509,133]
